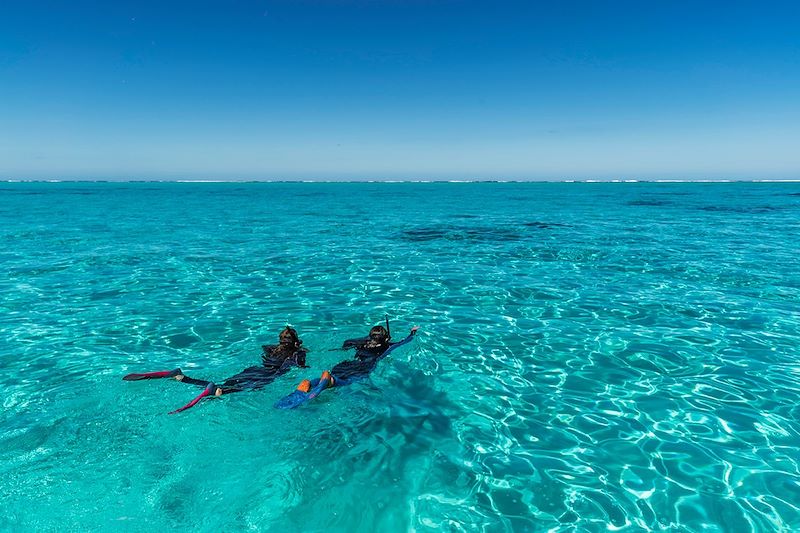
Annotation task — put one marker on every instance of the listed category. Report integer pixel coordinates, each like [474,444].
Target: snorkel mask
[378,336]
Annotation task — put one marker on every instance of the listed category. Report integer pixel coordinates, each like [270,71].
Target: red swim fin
[153,375]
[209,391]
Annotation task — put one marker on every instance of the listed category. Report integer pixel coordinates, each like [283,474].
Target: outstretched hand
[414,330]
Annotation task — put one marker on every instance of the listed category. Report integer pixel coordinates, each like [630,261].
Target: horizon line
[78,180]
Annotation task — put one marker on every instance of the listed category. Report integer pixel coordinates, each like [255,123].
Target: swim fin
[153,375]
[304,393]
[209,391]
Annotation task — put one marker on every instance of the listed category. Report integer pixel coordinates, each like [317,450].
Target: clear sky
[414,89]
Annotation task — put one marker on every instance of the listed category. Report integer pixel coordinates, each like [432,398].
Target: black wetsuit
[273,365]
[366,358]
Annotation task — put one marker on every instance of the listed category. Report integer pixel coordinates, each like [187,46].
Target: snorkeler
[276,360]
[369,350]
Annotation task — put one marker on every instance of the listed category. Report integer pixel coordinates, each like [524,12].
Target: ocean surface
[591,356]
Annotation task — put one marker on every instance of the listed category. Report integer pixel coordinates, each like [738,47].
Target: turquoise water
[591,356]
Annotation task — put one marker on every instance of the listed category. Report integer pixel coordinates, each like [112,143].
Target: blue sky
[399,90]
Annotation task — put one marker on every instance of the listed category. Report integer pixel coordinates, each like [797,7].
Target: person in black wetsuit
[369,350]
[276,360]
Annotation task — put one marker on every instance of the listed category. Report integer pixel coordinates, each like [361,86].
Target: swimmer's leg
[210,390]
[341,382]
[183,378]
[154,375]
[349,377]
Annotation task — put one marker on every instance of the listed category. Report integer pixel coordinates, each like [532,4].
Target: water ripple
[591,356]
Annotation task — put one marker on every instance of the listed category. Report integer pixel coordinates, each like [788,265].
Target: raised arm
[402,342]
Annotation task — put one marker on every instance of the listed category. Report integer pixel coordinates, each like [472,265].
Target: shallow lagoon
[591,356]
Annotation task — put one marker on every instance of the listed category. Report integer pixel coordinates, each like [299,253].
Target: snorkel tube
[388,333]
